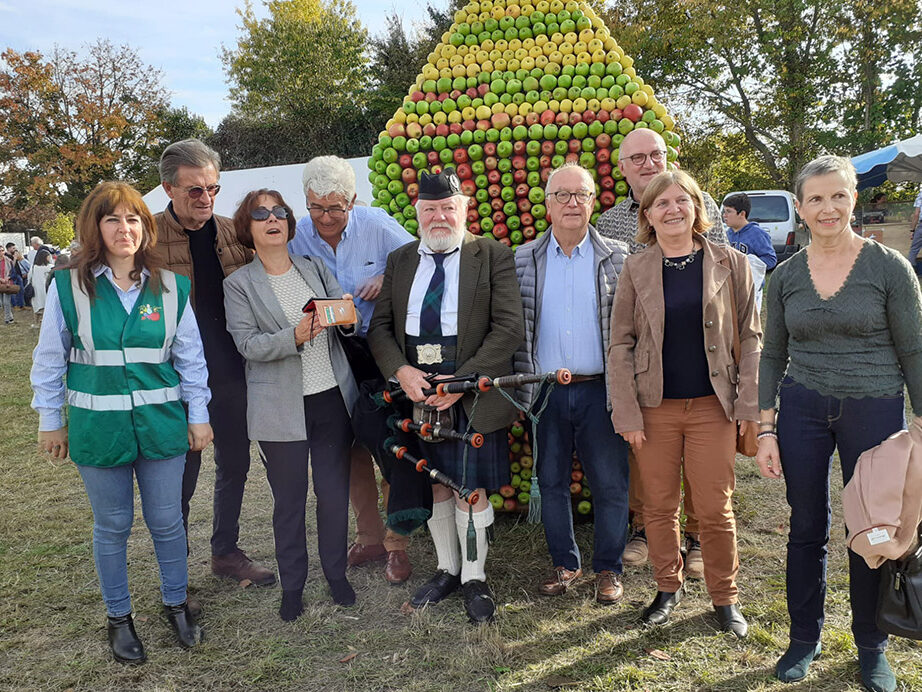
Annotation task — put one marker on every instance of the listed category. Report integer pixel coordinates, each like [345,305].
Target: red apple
[490,163]
[544,161]
[500,230]
[602,155]
[484,125]
[529,232]
[522,190]
[442,130]
[497,203]
[562,118]
[603,169]
[531,118]
[547,146]
[526,218]
[432,157]
[633,112]
[498,218]
[574,145]
[607,183]
[518,162]
[465,172]
[524,206]
[518,120]
[413,190]
[469,125]
[417,96]
[431,96]
[575,118]
[397,130]
[474,228]
[519,176]
[510,504]
[455,93]
[442,97]
[460,156]
[545,174]
[408,175]
[500,120]
[482,89]
[494,189]
[405,160]
[472,214]
[518,147]
[588,117]
[616,114]
[603,116]
[607,198]
[546,117]
[455,128]
[472,92]
[505,239]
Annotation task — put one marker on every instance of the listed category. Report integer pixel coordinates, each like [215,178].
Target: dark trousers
[329,437]
[576,418]
[228,414]
[810,427]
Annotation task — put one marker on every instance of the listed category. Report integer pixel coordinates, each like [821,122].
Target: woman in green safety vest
[119,344]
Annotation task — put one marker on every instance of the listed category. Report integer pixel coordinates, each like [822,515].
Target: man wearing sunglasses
[641,157]
[567,279]
[354,243]
[193,241]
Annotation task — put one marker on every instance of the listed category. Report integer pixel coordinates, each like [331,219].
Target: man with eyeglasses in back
[354,242]
[194,242]
[641,157]
[567,278]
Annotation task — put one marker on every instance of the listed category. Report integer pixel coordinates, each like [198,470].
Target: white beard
[441,242]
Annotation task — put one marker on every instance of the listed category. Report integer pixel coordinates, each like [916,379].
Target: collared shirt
[49,359]
[568,330]
[620,223]
[424,272]
[918,205]
[369,237]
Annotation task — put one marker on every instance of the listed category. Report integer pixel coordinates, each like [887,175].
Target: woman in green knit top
[843,336]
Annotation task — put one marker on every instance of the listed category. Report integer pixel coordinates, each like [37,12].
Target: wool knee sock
[482,520]
[445,536]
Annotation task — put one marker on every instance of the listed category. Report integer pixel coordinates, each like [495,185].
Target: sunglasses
[261,213]
[197,191]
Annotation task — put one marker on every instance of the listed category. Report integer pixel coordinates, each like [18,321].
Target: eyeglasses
[563,196]
[318,211]
[197,191]
[261,213]
[640,159]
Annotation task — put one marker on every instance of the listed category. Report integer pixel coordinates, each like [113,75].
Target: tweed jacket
[490,326]
[530,269]
[635,357]
[172,246]
[275,399]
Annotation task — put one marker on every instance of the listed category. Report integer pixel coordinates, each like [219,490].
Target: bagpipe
[392,427]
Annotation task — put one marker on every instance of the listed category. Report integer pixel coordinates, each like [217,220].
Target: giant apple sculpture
[513,90]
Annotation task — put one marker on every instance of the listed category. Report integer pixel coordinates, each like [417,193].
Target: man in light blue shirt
[354,243]
[568,278]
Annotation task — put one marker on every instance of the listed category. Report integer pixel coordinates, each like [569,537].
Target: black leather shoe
[123,640]
[441,585]
[732,620]
[184,625]
[478,601]
[657,613]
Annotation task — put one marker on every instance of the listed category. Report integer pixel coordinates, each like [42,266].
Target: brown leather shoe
[559,581]
[608,588]
[238,566]
[398,568]
[360,554]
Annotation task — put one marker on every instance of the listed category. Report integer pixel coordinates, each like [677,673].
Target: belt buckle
[429,354]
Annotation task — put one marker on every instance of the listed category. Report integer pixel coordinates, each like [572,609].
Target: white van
[774,211]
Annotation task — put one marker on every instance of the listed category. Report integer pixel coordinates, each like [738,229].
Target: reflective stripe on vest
[88,355]
[122,402]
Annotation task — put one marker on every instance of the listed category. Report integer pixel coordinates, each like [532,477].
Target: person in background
[120,331]
[842,339]
[915,230]
[6,277]
[641,157]
[19,274]
[568,279]
[36,245]
[38,278]
[197,243]
[300,391]
[750,239]
[354,243]
[678,389]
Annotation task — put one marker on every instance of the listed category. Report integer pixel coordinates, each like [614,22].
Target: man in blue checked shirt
[354,242]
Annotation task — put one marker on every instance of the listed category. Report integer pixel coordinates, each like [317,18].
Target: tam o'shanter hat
[439,185]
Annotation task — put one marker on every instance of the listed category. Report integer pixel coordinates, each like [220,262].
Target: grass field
[52,620]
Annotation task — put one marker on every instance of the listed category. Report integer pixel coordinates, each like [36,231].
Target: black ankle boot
[657,613]
[184,625]
[123,640]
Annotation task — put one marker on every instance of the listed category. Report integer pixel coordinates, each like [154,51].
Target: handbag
[746,444]
[8,287]
[899,601]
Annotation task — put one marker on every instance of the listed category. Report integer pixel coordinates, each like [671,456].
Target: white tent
[285,179]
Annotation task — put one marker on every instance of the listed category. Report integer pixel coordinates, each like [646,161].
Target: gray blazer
[275,400]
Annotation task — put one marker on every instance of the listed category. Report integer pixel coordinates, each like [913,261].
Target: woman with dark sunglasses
[300,390]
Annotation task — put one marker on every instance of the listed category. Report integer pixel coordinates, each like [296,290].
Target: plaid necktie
[430,316]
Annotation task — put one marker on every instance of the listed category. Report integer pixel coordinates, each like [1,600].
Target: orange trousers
[694,436]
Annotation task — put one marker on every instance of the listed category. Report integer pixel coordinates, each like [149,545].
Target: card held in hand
[337,312]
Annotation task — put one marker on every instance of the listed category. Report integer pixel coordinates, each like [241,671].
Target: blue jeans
[810,427]
[111,493]
[577,418]
[915,247]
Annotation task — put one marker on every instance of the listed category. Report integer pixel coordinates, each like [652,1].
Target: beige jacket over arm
[635,356]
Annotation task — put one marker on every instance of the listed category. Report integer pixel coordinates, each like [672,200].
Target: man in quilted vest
[195,242]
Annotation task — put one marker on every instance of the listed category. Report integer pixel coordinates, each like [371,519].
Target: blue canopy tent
[900,163]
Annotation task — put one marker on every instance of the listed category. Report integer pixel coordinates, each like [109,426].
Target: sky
[182,39]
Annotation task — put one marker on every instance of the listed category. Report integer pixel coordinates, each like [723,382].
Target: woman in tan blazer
[677,390]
